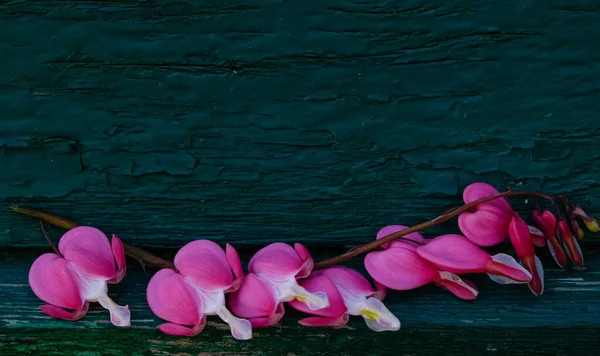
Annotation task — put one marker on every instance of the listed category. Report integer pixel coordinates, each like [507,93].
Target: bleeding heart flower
[258,301]
[204,274]
[280,265]
[580,233]
[399,267]
[335,315]
[172,298]
[456,254]
[78,273]
[537,236]
[488,224]
[571,244]
[413,238]
[546,221]
[349,293]
[520,236]
[591,223]
[272,280]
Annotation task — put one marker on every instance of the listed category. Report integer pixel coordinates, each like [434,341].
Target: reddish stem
[136,253]
[50,241]
[150,259]
[370,246]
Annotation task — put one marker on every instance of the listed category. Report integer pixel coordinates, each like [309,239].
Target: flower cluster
[185,296]
[416,261]
[278,273]
[78,273]
[206,280]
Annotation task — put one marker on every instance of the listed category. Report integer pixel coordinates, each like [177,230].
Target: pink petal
[399,268]
[557,251]
[545,221]
[388,230]
[538,241]
[323,284]
[88,249]
[171,298]
[272,319]
[60,313]
[254,299]
[487,226]
[180,330]
[505,269]
[405,244]
[537,236]
[54,282]
[534,266]
[349,280]
[307,264]
[539,268]
[520,237]
[278,261]
[206,264]
[461,288]
[119,253]
[236,265]
[576,255]
[332,322]
[479,190]
[454,253]
[572,247]
[380,291]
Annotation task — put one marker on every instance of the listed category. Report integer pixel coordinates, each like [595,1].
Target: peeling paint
[216,121]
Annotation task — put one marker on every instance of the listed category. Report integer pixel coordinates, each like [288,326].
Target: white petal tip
[242,330]
[540,270]
[314,301]
[378,318]
[119,316]
[510,262]
[535,231]
[501,279]
[383,324]
[553,254]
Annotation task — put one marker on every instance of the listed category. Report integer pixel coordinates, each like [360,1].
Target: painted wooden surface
[313,121]
[504,320]
[319,122]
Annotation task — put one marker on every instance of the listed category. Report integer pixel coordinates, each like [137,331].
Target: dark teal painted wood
[320,122]
[254,121]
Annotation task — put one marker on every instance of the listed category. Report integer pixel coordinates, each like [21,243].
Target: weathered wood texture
[504,320]
[320,122]
[251,121]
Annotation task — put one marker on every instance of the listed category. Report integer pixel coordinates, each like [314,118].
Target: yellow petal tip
[369,314]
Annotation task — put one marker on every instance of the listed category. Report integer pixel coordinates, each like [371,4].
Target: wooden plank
[257,121]
[504,320]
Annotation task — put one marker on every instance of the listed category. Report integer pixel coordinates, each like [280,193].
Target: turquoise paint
[315,122]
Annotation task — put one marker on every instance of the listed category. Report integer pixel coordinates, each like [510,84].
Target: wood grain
[503,320]
[320,122]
